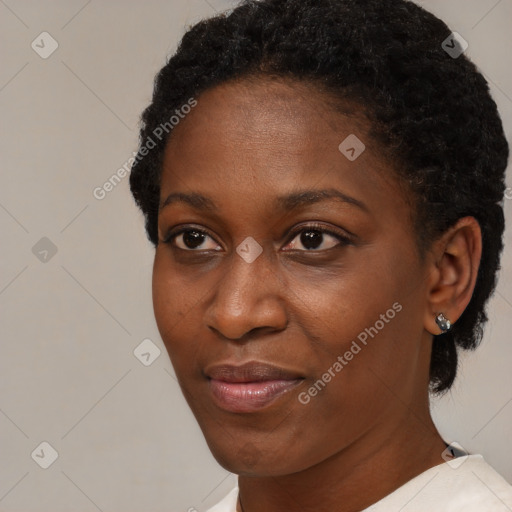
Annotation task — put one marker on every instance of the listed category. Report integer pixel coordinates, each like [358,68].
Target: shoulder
[227,504]
[466,484]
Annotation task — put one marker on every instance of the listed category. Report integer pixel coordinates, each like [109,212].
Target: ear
[453,270]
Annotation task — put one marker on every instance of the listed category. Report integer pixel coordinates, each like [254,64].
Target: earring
[443,323]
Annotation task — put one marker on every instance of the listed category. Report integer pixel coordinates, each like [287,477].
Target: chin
[247,459]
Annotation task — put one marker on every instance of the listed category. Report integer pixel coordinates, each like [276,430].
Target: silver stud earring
[443,323]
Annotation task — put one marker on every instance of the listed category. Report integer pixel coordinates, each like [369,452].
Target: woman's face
[320,295]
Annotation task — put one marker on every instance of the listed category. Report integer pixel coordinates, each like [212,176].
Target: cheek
[370,317]
[354,385]
[337,307]
[165,294]
[173,301]
[367,371]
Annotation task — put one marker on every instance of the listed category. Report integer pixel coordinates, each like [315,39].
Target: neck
[354,478]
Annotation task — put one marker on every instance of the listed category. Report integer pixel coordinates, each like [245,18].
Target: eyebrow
[285,202]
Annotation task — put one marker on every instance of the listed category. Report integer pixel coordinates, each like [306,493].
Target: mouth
[249,387]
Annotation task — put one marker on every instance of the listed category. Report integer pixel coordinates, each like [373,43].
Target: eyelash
[342,238]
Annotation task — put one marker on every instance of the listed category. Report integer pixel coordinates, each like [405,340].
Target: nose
[249,297]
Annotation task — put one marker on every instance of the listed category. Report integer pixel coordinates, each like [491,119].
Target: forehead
[268,137]
[254,110]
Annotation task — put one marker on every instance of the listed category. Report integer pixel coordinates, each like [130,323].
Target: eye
[189,239]
[313,237]
[317,237]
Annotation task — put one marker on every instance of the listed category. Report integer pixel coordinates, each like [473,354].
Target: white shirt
[464,484]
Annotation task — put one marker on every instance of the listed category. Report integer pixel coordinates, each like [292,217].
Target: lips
[249,387]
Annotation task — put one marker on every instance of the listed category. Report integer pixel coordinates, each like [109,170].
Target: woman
[322,181]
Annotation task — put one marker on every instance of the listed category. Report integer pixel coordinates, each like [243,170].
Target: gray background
[125,438]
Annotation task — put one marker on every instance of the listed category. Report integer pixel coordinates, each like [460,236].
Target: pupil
[193,239]
[311,239]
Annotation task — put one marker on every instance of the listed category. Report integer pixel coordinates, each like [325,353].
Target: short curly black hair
[430,109]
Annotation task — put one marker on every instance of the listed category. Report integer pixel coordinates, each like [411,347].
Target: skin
[369,430]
